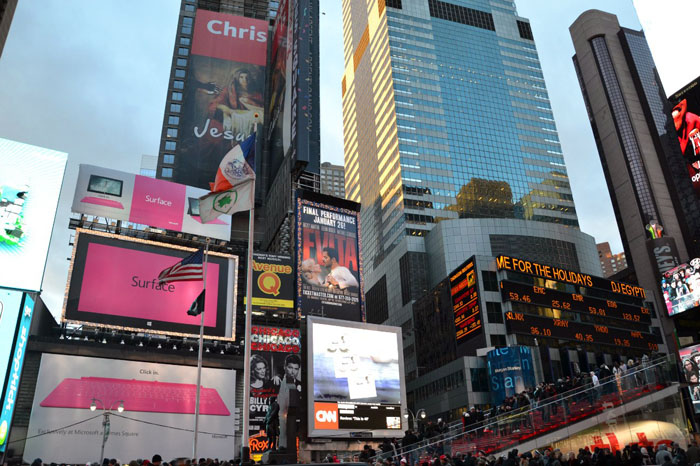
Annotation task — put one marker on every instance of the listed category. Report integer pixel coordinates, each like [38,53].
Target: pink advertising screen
[114,282]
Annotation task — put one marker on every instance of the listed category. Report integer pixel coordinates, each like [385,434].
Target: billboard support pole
[245,449]
[199,356]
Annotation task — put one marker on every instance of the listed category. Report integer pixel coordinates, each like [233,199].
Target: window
[480,380]
[166,172]
[186,30]
[185,41]
[187,21]
[170,145]
[490,280]
[184,51]
[179,73]
[173,120]
[182,62]
[169,159]
[179,84]
[175,108]
[494,312]
[171,133]
[499,341]
[176,96]
[189,7]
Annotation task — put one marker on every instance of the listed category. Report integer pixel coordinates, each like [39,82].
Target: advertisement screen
[357,374]
[223,98]
[14,376]
[511,371]
[158,416]
[465,301]
[30,183]
[275,358]
[681,287]
[113,282]
[10,302]
[139,199]
[273,284]
[280,109]
[690,360]
[329,282]
[686,119]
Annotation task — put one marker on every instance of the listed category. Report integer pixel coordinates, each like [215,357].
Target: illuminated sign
[273,283]
[465,300]
[356,370]
[575,278]
[518,322]
[681,287]
[542,296]
[686,119]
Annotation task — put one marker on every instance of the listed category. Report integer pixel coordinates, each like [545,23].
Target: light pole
[105,420]
[420,414]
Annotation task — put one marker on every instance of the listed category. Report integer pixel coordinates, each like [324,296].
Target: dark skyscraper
[637,144]
[7,11]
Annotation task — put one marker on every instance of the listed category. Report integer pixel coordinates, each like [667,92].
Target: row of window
[444,384]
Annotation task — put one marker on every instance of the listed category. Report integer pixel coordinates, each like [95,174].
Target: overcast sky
[90,78]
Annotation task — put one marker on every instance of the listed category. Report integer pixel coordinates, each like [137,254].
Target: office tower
[609,262]
[452,150]
[333,180]
[638,147]
[7,11]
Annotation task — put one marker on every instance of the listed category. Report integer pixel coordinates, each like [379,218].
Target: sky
[91,80]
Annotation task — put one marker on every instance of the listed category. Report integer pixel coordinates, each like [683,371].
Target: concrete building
[609,262]
[638,148]
[333,180]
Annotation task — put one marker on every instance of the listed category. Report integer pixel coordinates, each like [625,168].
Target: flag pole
[199,356]
[245,450]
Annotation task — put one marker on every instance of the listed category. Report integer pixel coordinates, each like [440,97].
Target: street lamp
[420,414]
[105,420]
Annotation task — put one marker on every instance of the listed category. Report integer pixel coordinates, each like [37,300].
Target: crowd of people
[156,460]
[631,455]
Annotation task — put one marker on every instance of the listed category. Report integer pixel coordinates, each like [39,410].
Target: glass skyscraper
[446,116]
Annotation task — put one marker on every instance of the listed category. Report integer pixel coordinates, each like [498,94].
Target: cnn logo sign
[326,416]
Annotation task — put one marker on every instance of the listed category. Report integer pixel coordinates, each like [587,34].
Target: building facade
[609,262]
[7,11]
[333,180]
[652,195]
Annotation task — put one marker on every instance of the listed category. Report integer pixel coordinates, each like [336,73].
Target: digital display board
[103,192]
[329,268]
[511,371]
[686,119]
[357,374]
[156,398]
[690,360]
[274,353]
[113,282]
[681,287]
[273,284]
[10,305]
[542,296]
[30,183]
[465,301]
[536,326]
[567,276]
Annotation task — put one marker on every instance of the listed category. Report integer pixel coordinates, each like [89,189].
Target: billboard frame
[351,433]
[232,283]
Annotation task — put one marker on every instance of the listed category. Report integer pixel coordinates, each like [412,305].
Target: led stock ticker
[541,296]
[518,322]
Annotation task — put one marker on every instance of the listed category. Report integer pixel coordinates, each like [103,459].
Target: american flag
[188,269]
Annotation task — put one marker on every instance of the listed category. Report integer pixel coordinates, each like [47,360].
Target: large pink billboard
[113,282]
[103,192]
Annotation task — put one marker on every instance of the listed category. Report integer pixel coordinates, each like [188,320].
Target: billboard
[690,360]
[158,416]
[329,268]
[10,305]
[223,98]
[20,336]
[681,287]
[357,375]
[113,283]
[273,284]
[511,371]
[139,199]
[686,119]
[30,183]
[465,301]
[274,357]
